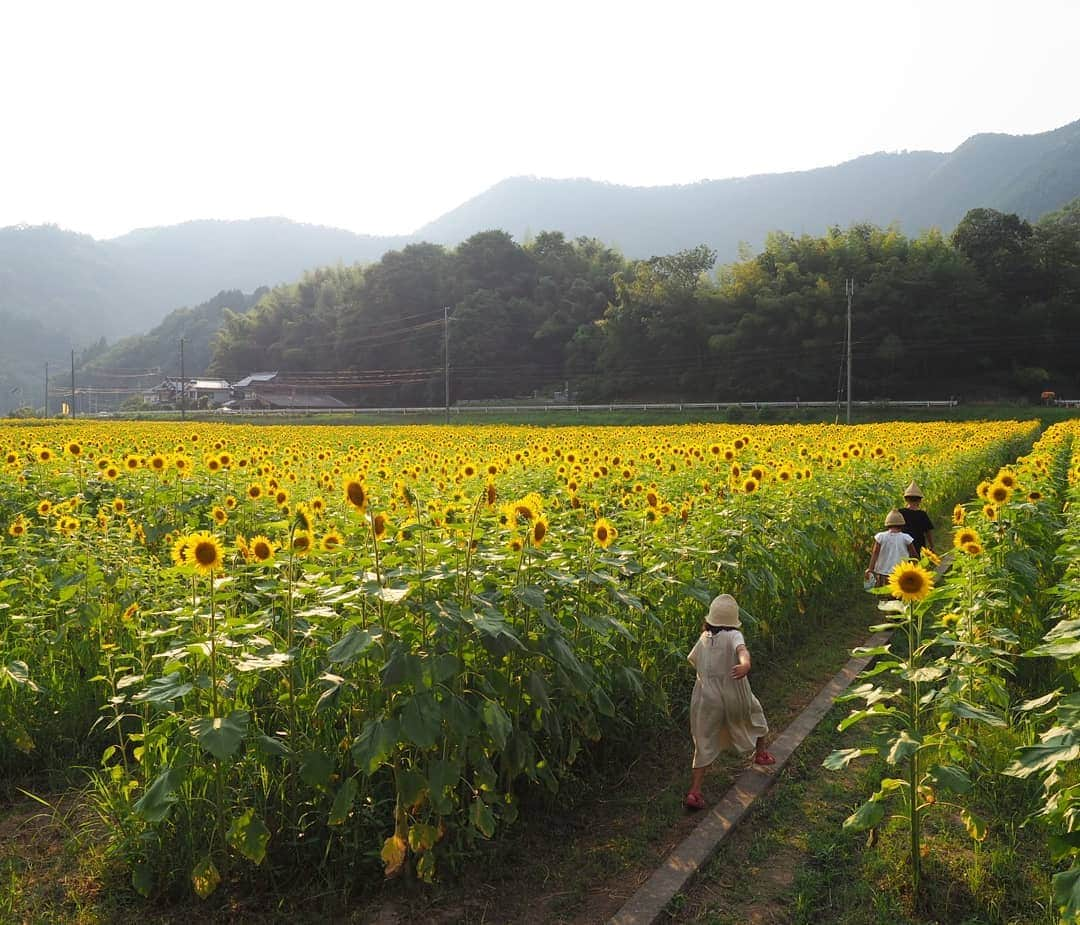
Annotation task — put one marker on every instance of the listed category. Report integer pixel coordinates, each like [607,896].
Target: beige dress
[724,713]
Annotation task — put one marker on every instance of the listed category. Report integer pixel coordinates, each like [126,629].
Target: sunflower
[220,515]
[962,537]
[999,493]
[18,527]
[1007,479]
[750,486]
[604,533]
[973,549]
[262,549]
[44,508]
[380,522]
[119,505]
[958,515]
[181,551]
[205,553]
[332,541]
[356,494]
[158,463]
[537,531]
[281,497]
[129,613]
[254,491]
[302,542]
[304,518]
[910,582]
[74,448]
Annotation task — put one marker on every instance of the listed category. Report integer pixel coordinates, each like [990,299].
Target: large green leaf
[377,740]
[154,805]
[249,835]
[411,786]
[482,818]
[865,817]
[1067,894]
[1033,759]
[442,776]
[343,802]
[902,747]
[163,689]
[497,722]
[421,720]
[352,645]
[317,769]
[1059,649]
[221,735]
[948,777]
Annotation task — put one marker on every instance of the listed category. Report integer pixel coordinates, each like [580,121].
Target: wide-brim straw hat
[723,611]
[913,491]
[894,519]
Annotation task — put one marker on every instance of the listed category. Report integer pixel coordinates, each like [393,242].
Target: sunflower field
[975,704]
[361,646]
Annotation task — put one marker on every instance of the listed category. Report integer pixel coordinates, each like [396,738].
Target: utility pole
[446,358]
[184,383]
[73,384]
[849,288]
[46,388]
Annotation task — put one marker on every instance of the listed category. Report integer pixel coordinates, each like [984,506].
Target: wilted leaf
[393,854]
[422,837]
[976,828]
[205,877]
[901,748]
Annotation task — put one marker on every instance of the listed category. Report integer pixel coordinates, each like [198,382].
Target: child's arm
[911,550]
[873,559]
[743,668]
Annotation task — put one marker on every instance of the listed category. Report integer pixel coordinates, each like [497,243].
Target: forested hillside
[1025,174]
[991,310]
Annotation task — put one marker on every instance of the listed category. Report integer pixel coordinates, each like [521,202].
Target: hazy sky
[380,116]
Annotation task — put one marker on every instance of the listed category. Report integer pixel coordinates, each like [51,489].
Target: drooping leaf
[497,722]
[316,769]
[865,817]
[393,854]
[249,835]
[421,720]
[842,757]
[411,787]
[154,805]
[902,747]
[1032,759]
[142,878]
[975,826]
[482,818]
[343,802]
[422,837]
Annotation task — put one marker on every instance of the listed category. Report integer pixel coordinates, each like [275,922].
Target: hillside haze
[61,290]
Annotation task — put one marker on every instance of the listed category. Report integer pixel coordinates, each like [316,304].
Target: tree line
[992,310]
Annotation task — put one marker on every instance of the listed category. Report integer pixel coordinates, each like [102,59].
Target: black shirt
[916,525]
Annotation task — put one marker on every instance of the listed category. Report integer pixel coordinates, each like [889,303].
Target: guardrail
[561,406]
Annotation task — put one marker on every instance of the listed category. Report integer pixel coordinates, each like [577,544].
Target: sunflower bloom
[205,553]
[332,541]
[356,494]
[962,537]
[262,549]
[604,533]
[910,582]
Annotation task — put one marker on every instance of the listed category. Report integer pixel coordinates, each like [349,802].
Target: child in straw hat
[917,523]
[891,547]
[724,713]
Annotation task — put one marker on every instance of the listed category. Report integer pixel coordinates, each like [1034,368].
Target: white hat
[894,519]
[913,491]
[723,611]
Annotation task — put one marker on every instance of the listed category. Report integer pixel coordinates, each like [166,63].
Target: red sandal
[763,757]
[694,800]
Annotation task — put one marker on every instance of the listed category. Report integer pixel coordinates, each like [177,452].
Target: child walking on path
[724,713]
[891,547]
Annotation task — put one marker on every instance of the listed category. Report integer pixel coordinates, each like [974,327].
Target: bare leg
[697,778]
